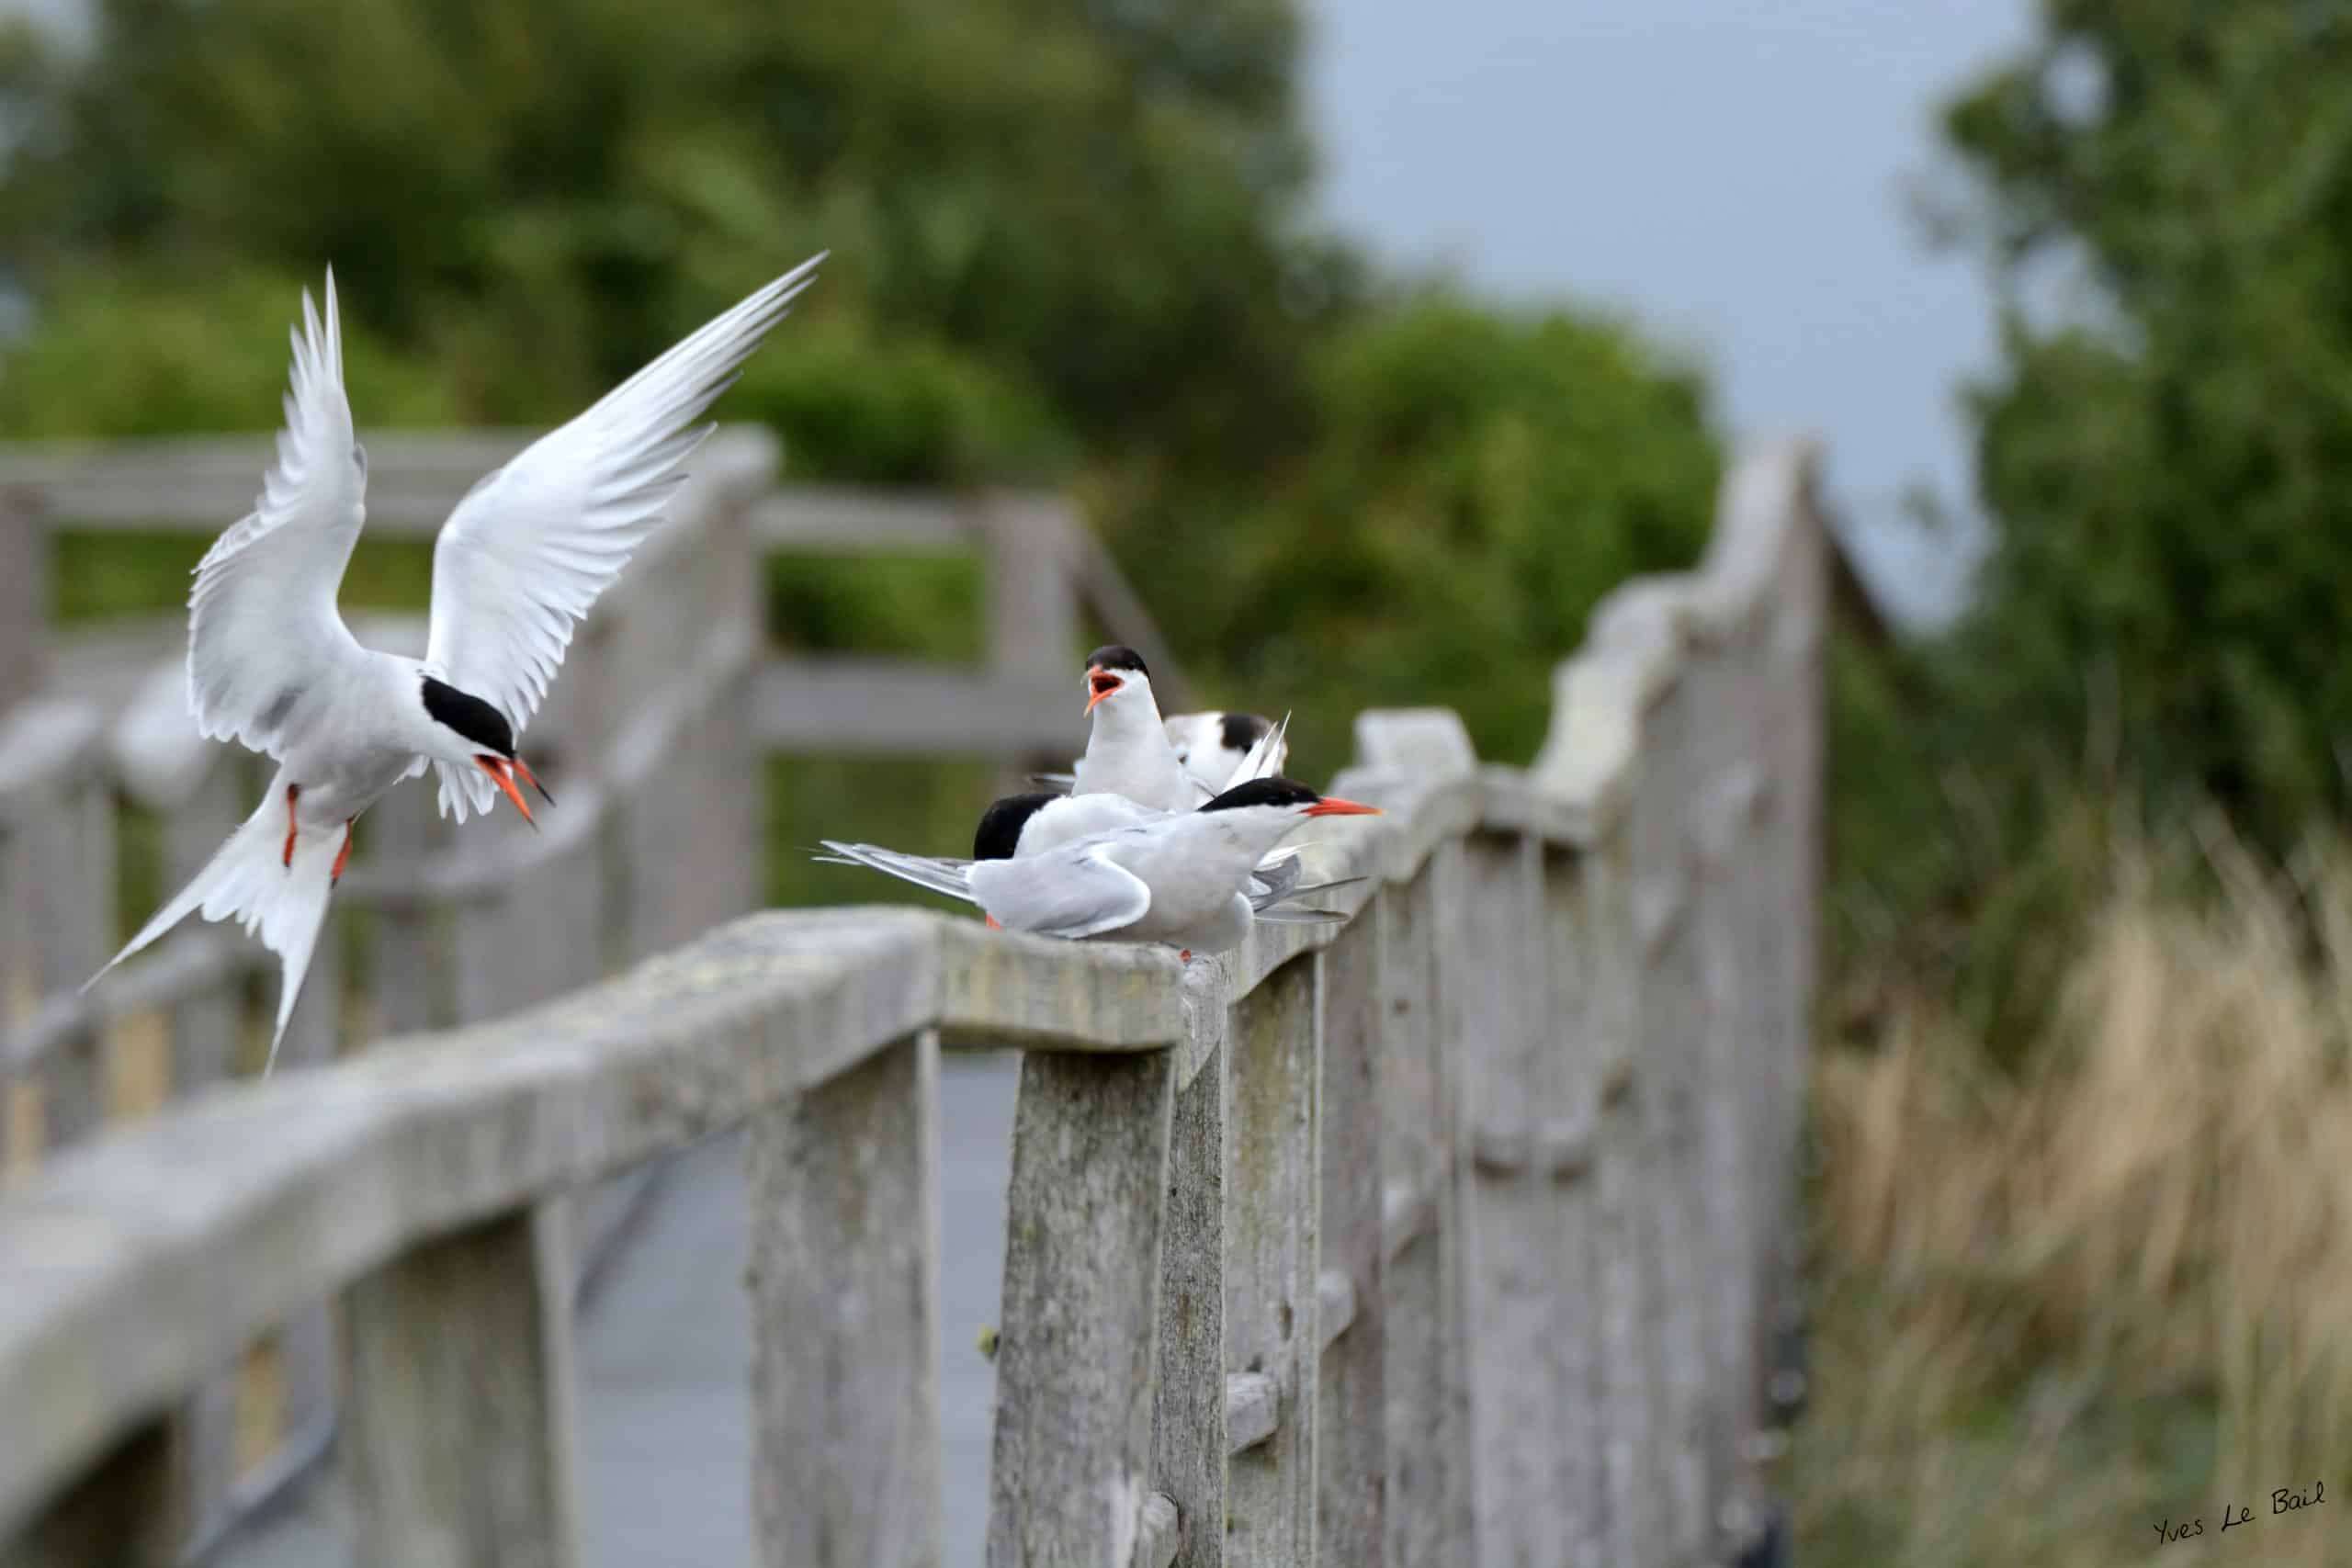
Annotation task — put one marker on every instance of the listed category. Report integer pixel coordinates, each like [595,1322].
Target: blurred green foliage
[1071,245]
[2164,193]
[1477,480]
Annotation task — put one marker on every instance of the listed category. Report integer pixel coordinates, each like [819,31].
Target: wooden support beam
[843,1277]
[1078,1346]
[456,1439]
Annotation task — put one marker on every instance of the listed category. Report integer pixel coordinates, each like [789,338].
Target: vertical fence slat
[456,1439]
[1534,1492]
[843,1277]
[1672,1024]
[405,987]
[1272,1259]
[1081,1288]
[24,596]
[1352,1428]
[1565,958]
[1627,1236]
[1188,1441]
[1426,1474]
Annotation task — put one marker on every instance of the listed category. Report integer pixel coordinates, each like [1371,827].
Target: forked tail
[927,872]
[248,880]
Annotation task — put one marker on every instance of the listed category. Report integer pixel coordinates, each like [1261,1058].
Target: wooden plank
[409,986]
[305,1340]
[908,708]
[844,1276]
[1627,1239]
[206,1024]
[839,520]
[1189,1434]
[122,1514]
[24,596]
[458,1437]
[71,872]
[1352,1325]
[1103,589]
[1534,1496]
[1428,1493]
[1272,1258]
[1081,1287]
[1031,620]
[1562,990]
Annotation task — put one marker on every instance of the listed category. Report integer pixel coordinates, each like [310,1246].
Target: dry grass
[2055,1309]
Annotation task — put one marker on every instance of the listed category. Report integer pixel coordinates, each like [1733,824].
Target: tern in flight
[518,564]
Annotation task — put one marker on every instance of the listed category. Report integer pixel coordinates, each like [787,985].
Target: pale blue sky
[1733,172]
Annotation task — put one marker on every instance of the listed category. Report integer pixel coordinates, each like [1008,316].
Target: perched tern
[1213,745]
[1179,878]
[519,562]
[1130,752]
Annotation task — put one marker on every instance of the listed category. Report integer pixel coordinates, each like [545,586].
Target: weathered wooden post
[1405,758]
[1077,1346]
[1351,1430]
[24,596]
[844,1194]
[456,1437]
[1587,766]
[1273,1257]
[1190,1445]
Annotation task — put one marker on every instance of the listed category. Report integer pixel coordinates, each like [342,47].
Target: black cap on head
[1263,792]
[1117,655]
[999,833]
[1243,730]
[469,716]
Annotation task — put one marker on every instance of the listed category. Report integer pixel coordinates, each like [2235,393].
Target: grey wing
[1074,891]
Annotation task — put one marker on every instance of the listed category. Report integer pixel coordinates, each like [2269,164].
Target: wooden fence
[669,698]
[1451,1234]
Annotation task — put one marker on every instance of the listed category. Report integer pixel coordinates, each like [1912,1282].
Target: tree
[2173,475]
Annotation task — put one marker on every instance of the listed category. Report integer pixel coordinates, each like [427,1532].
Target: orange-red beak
[528,777]
[499,769]
[1099,684]
[1332,805]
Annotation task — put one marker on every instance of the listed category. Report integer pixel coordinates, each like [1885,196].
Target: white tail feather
[247,879]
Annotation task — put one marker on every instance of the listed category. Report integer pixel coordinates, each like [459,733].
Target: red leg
[1185,956]
[993,925]
[292,793]
[343,855]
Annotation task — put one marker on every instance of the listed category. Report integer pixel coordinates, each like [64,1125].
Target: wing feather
[1076,892]
[262,618]
[530,548]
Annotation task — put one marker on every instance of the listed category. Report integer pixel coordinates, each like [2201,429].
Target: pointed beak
[499,769]
[532,779]
[1099,684]
[1332,805]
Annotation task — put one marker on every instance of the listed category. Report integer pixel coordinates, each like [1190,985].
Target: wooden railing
[1453,1233]
[652,741]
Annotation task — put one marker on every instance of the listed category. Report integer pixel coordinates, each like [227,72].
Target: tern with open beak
[1179,878]
[1130,752]
[516,565]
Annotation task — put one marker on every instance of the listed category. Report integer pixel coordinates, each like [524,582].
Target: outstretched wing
[1075,891]
[262,626]
[531,546]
